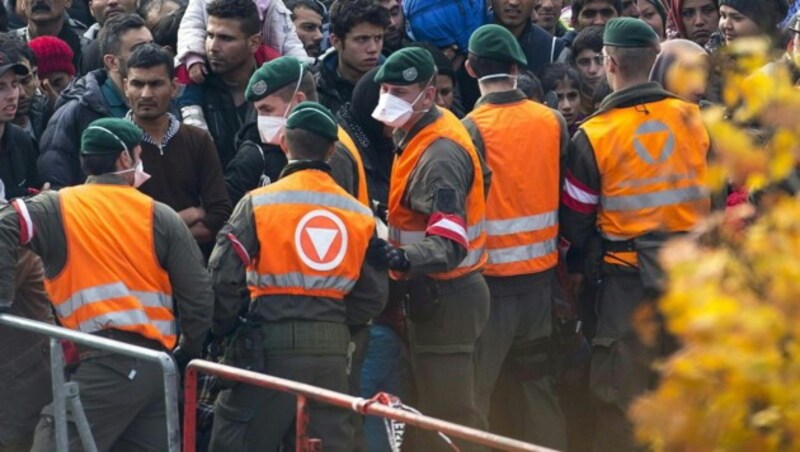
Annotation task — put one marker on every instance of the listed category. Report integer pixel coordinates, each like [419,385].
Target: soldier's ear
[282,142]
[470,70]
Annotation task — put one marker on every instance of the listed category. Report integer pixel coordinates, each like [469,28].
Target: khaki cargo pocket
[230,427]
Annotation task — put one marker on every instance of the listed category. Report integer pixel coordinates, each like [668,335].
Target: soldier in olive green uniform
[299,307]
[123,397]
[436,208]
[526,142]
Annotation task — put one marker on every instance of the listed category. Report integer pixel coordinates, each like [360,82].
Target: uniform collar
[634,95]
[401,137]
[107,179]
[501,97]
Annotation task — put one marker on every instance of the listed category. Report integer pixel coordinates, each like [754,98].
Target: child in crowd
[561,85]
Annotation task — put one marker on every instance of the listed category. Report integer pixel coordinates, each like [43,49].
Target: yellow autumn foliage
[733,300]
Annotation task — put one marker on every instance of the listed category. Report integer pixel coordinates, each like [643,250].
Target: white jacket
[277,31]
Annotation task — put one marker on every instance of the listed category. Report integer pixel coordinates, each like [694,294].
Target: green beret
[406,67]
[496,42]
[110,136]
[272,76]
[315,118]
[629,32]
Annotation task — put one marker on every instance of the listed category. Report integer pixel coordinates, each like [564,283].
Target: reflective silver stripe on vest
[105,292]
[473,257]
[522,224]
[522,253]
[126,319]
[406,237]
[299,280]
[310,197]
[656,199]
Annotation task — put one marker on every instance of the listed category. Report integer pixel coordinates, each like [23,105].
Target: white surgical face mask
[497,76]
[139,176]
[394,111]
[270,127]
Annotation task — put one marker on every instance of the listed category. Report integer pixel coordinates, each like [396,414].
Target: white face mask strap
[427,85]
[124,146]
[496,76]
[296,89]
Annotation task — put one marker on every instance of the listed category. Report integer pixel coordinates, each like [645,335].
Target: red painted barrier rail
[305,392]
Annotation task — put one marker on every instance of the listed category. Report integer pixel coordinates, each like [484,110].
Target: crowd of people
[444,200]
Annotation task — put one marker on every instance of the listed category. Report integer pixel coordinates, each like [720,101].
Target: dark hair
[634,60]
[96,164]
[487,66]
[346,14]
[147,56]
[111,34]
[577,6]
[529,83]
[305,145]
[601,91]
[243,11]
[17,51]
[165,32]
[589,38]
[557,72]
[308,86]
[313,5]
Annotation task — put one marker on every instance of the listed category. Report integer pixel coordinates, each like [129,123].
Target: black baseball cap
[6,65]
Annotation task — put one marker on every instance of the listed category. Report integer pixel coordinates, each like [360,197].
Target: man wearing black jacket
[17,151]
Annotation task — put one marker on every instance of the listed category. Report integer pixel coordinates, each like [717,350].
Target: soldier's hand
[384,256]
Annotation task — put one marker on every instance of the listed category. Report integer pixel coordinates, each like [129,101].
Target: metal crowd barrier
[305,392]
[68,392]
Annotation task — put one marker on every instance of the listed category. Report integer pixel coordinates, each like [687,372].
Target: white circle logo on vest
[321,240]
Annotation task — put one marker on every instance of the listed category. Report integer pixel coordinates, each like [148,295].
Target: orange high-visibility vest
[112,278]
[522,142]
[652,162]
[350,145]
[407,226]
[313,237]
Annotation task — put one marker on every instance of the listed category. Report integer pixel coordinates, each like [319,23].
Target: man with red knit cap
[55,67]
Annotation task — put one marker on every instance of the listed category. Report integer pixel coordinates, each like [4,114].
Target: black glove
[384,256]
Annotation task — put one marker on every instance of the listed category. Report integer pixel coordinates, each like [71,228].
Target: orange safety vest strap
[99,294]
[654,199]
[125,320]
[518,225]
[522,253]
[313,198]
[449,226]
